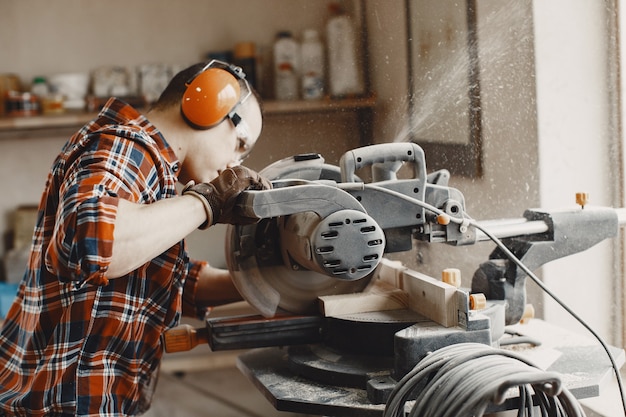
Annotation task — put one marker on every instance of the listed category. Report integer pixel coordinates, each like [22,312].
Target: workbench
[581,361]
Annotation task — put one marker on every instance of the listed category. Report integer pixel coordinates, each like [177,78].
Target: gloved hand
[219,196]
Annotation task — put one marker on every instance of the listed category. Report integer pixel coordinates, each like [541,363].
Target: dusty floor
[223,392]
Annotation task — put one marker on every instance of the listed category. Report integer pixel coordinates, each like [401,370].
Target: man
[108,272]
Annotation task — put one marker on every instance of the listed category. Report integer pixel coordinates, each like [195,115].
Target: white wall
[575,143]
[44,38]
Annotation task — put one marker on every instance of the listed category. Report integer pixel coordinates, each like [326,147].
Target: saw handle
[184,338]
[385,158]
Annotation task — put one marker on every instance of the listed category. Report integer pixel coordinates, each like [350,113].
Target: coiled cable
[462,380]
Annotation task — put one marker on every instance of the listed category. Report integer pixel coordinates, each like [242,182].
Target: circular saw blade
[267,284]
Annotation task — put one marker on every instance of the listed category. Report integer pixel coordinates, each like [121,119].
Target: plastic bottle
[49,101]
[345,77]
[40,87]
[286,66]
[312,52]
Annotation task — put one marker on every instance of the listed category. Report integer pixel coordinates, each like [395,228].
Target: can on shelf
[18,104]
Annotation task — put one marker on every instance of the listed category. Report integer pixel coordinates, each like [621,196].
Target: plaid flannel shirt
[73,342]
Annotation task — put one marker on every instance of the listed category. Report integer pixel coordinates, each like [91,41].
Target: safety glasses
[243,140]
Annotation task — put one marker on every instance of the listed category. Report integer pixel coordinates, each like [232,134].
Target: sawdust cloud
[435,104]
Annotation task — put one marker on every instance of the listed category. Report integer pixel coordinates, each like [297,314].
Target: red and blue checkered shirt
[75,343]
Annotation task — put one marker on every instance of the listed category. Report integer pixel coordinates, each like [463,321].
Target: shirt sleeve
[82,243]
[190,307]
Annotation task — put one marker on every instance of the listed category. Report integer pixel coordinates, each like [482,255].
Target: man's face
[227,146]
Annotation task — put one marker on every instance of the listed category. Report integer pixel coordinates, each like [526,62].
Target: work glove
[220,195]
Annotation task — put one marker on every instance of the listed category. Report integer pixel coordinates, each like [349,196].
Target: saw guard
[255,261]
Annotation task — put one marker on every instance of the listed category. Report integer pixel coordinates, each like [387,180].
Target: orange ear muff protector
[210,96]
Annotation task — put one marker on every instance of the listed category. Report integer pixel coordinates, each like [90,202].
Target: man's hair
[172,95]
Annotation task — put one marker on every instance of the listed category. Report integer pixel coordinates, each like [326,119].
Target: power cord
[468,221]
[464,379]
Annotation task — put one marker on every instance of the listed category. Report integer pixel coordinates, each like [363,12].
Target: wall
[40,38]
[579,149]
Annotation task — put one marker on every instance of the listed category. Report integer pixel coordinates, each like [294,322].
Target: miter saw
[340,323]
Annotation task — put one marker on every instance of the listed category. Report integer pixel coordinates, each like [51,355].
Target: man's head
[217,103]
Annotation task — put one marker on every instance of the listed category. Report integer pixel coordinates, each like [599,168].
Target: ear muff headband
[210,97]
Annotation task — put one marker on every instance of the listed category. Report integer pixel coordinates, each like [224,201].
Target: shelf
[69,119]
[77,119]
[324,105]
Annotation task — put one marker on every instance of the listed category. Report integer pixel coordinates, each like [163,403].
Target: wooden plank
[378,297]
[428,296]
[390,272]
[395,287]
[195,362]
[431,298]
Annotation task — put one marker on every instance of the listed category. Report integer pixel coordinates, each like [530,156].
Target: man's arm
[144,231]
[215,287]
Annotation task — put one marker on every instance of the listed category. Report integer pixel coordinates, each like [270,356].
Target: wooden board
[396,287]
[431,298]
[379,297]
